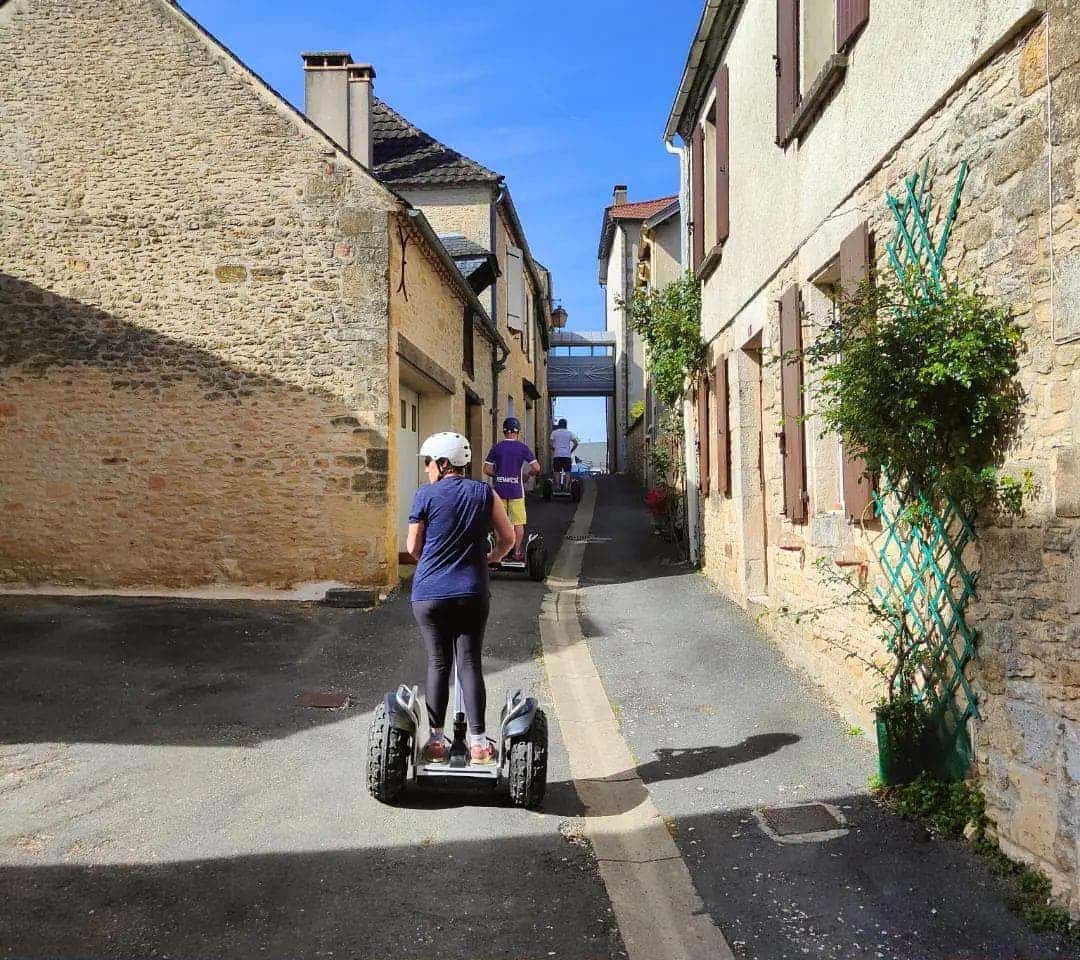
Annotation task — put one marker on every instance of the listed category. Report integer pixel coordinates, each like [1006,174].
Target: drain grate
[803,823]
[588,539]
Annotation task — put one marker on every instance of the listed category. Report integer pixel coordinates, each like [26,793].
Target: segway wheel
[388,757]
[575,490]
[547,489]
[537,563]
[528,764]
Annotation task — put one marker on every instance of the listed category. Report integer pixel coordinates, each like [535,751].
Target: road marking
[660,915]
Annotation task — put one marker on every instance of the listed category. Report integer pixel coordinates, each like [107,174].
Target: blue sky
[565,99]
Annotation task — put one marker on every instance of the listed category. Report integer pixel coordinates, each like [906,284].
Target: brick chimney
[326,93]
[361,85]
[618,196]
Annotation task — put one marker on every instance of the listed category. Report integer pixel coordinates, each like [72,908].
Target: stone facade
[194,361]
[1018,233]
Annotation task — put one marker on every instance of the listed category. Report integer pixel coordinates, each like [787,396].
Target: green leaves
[669,322]
[921,383]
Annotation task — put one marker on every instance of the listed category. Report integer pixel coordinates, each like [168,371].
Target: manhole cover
[324,701]
[804,823]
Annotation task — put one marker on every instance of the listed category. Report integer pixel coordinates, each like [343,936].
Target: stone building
[462,198]
[619,255]
[216,320]
[796,117]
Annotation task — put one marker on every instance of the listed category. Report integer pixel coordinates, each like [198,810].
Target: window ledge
[819,94]
[710,262]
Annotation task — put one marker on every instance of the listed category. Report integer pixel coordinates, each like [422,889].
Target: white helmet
[449,446]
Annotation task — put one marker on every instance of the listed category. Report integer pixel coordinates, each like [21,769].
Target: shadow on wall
[132,458]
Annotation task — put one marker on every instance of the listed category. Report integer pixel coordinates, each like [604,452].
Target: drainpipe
[684,200]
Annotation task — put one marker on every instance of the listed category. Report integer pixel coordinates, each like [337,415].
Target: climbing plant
[669,323]
[917,374]
[668,320]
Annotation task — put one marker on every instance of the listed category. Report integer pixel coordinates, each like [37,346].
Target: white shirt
[562,441]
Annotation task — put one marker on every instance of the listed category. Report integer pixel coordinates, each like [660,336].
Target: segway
[534,564]
[394,749]
[551,492]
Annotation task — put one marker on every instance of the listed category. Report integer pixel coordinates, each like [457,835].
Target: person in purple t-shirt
[507,463]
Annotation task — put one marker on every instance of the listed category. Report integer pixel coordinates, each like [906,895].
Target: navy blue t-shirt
[457,516]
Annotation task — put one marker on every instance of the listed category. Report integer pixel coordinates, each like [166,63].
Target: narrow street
[165,792]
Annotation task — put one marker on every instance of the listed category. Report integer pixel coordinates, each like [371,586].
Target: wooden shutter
[851,17]
[787,65]
[703,435]
[515,289]
[793,433]
[468,348]
[723,432]
[854,268]
[723,154]
[697,195]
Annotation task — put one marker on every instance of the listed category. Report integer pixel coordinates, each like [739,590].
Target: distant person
[563,445]
[507,463]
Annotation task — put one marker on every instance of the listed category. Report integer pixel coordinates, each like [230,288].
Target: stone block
[1067,483]
[1029,195]
[1032,73]
[378,460]
[1036,733]
[1019,152]
[231,273]
[1010,550]
[1072,751]
[355,222]
[1067,307]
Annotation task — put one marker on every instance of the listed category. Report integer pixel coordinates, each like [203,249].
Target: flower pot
[900,758]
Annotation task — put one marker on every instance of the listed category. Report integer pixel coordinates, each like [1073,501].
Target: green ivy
[669,323]
[922,385]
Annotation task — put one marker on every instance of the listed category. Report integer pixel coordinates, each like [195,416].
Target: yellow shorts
[515,510]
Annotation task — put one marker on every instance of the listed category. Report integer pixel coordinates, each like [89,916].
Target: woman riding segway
[448,528]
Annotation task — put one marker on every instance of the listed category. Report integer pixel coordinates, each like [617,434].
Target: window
[812,37]
[710,186]
[793,428]
[818,29]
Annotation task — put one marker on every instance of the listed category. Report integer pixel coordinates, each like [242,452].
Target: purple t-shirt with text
[508,458]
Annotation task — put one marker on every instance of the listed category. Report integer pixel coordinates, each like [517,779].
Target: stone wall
[193,360]
[635,448]
[1027,669]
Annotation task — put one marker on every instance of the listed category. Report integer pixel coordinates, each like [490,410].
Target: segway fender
[399,717]
[521,723]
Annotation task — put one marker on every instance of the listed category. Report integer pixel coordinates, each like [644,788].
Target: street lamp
[558,317]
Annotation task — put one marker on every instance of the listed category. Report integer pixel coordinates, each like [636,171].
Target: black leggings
[448,626]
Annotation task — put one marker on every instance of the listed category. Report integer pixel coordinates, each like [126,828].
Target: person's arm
[414,544]
[504,531]
[534,468]
[489,469]
[574,443]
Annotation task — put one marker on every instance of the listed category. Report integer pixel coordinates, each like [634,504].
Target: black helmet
[562,423]
[511,425]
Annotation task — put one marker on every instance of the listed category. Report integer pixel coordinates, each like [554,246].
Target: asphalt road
[164,793]
[722,726]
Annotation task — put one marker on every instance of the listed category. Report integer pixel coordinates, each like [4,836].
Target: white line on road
[660,915]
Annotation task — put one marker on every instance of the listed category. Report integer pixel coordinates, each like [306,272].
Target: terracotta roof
[641,209]
[404,155]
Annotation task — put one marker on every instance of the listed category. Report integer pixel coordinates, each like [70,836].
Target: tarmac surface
[722,726]
[164,792]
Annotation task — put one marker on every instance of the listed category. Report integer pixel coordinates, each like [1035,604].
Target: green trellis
[926,532]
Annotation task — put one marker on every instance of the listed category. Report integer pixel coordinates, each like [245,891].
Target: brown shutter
[854,268]
[851,17]
[723,433]
[468,362]
[787,65]
[697,194]
[703,435]
[723,154]
[793,435]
